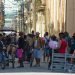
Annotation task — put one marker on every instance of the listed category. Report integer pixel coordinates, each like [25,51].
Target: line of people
[32,47]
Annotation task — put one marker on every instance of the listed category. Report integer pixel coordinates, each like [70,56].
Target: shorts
[37,53]
[47,51]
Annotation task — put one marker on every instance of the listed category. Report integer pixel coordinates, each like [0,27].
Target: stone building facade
[53,16]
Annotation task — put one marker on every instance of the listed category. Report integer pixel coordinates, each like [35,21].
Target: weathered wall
[70,16]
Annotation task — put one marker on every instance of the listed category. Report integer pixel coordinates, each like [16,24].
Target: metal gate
[61,62]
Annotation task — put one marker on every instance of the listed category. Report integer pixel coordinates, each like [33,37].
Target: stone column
[55,16]
[34,15]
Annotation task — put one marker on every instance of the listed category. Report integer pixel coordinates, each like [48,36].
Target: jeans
[2,57]
[2,60]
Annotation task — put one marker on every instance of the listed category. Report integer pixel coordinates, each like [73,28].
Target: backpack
[46,42]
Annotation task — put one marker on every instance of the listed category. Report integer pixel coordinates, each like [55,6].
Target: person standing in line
[63,43]
[30,42]
[37,49]
[21,46]
[68,39]
[53,45]
[72,47]
[46,46]
[26,48]
[32,48]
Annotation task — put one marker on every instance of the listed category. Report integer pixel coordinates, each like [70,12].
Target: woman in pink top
[63,43]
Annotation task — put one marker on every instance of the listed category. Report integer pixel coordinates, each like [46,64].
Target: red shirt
[63,46]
